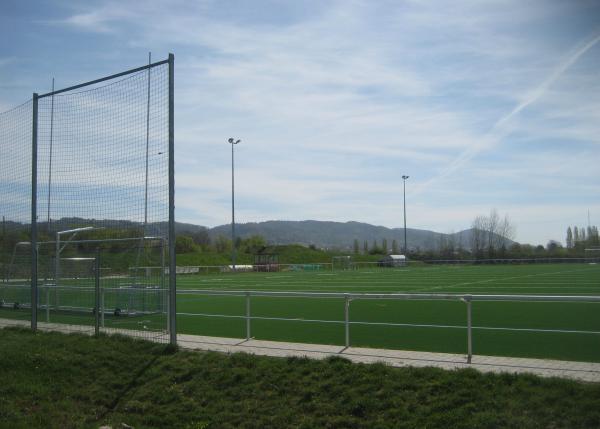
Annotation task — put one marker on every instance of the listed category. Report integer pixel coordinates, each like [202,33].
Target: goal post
[592,255]
[341,262]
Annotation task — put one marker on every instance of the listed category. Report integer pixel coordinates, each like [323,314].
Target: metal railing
[468,299]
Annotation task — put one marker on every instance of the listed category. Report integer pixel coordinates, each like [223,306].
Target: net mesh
[102,205]
[15,208]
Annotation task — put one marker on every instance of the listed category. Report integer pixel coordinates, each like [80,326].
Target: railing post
[47,304]
[248,332]
[97,294]
[347,319]
[102,307]
[467,299]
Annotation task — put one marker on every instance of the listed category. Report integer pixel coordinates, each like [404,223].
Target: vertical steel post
[232,211]
[469,330]
[50,158]
[172,260]
[248,333]
[404,199]
[102,307]
[34,249]
[47,304]
[347,319]
[97,294]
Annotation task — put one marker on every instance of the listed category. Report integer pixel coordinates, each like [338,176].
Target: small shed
[393,261]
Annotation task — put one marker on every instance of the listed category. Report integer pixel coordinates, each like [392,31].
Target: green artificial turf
[446,320]
[52,380]
[437,326]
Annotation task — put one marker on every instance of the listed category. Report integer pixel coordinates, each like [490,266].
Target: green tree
[184,244]
[201,238]
[384,246]
[222,244]
[356,247]
[253,244]
[569,240]
[394,247]
[365,247]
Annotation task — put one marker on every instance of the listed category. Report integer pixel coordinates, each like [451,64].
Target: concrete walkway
[581,371]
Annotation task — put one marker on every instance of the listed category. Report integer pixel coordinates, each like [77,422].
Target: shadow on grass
[130,388]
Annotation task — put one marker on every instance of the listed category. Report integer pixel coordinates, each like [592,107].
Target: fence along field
[556,329]
[86,192]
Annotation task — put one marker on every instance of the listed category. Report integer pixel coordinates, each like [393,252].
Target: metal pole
[469,330]
[233,252]
[97,294]
[233,255]
[50,156]
[404,199]
[34,249]
[102,307]
[347,319]
[47,304]
[147,144]
[172,258]
[248,333]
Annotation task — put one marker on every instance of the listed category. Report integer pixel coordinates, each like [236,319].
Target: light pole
[404,197]
[232,142]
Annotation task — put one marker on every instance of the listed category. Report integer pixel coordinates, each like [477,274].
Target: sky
[484,104]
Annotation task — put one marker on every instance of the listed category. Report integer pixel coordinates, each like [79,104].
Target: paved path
[582,371]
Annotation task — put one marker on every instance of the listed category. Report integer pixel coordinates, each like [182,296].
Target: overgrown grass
[53,380]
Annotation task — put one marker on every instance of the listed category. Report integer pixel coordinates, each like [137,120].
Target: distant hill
[322,234]
[341,235]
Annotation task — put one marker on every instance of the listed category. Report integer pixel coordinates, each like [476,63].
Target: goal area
[341,262]
[592,255]
[87,191]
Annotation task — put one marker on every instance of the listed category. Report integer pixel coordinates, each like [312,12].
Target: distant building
[392,261]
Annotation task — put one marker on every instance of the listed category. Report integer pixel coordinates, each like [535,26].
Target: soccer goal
[341,262]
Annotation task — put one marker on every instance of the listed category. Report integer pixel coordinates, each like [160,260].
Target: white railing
[468,299]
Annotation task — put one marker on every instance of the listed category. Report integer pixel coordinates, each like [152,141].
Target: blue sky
[484,104]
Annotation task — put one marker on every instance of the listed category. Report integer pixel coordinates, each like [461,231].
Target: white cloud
[335,100]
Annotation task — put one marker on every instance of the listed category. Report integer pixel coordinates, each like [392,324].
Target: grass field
[370,318]
[552,330]
[51,380]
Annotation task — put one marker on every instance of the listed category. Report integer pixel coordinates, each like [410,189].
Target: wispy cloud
[335,100]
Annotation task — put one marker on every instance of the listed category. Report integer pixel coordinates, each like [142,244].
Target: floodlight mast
[404,198]
[233,142]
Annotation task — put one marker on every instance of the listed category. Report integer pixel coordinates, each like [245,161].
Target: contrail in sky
[495,132]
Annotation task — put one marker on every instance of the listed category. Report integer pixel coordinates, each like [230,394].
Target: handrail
[468,299]
[399,296]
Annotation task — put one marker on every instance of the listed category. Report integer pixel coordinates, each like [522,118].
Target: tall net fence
[15,194]
[103,203]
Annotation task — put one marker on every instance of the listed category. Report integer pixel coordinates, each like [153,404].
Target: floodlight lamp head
[405,177]
[233,141]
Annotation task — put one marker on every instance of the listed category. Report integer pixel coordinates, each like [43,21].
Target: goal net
[92,166]
[592,255]
[341,262]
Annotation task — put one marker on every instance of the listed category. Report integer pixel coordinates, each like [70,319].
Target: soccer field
[554,330]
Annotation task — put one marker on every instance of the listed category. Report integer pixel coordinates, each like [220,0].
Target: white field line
[498,279]
[408,325]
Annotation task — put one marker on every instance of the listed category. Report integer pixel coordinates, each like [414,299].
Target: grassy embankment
[72,381]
